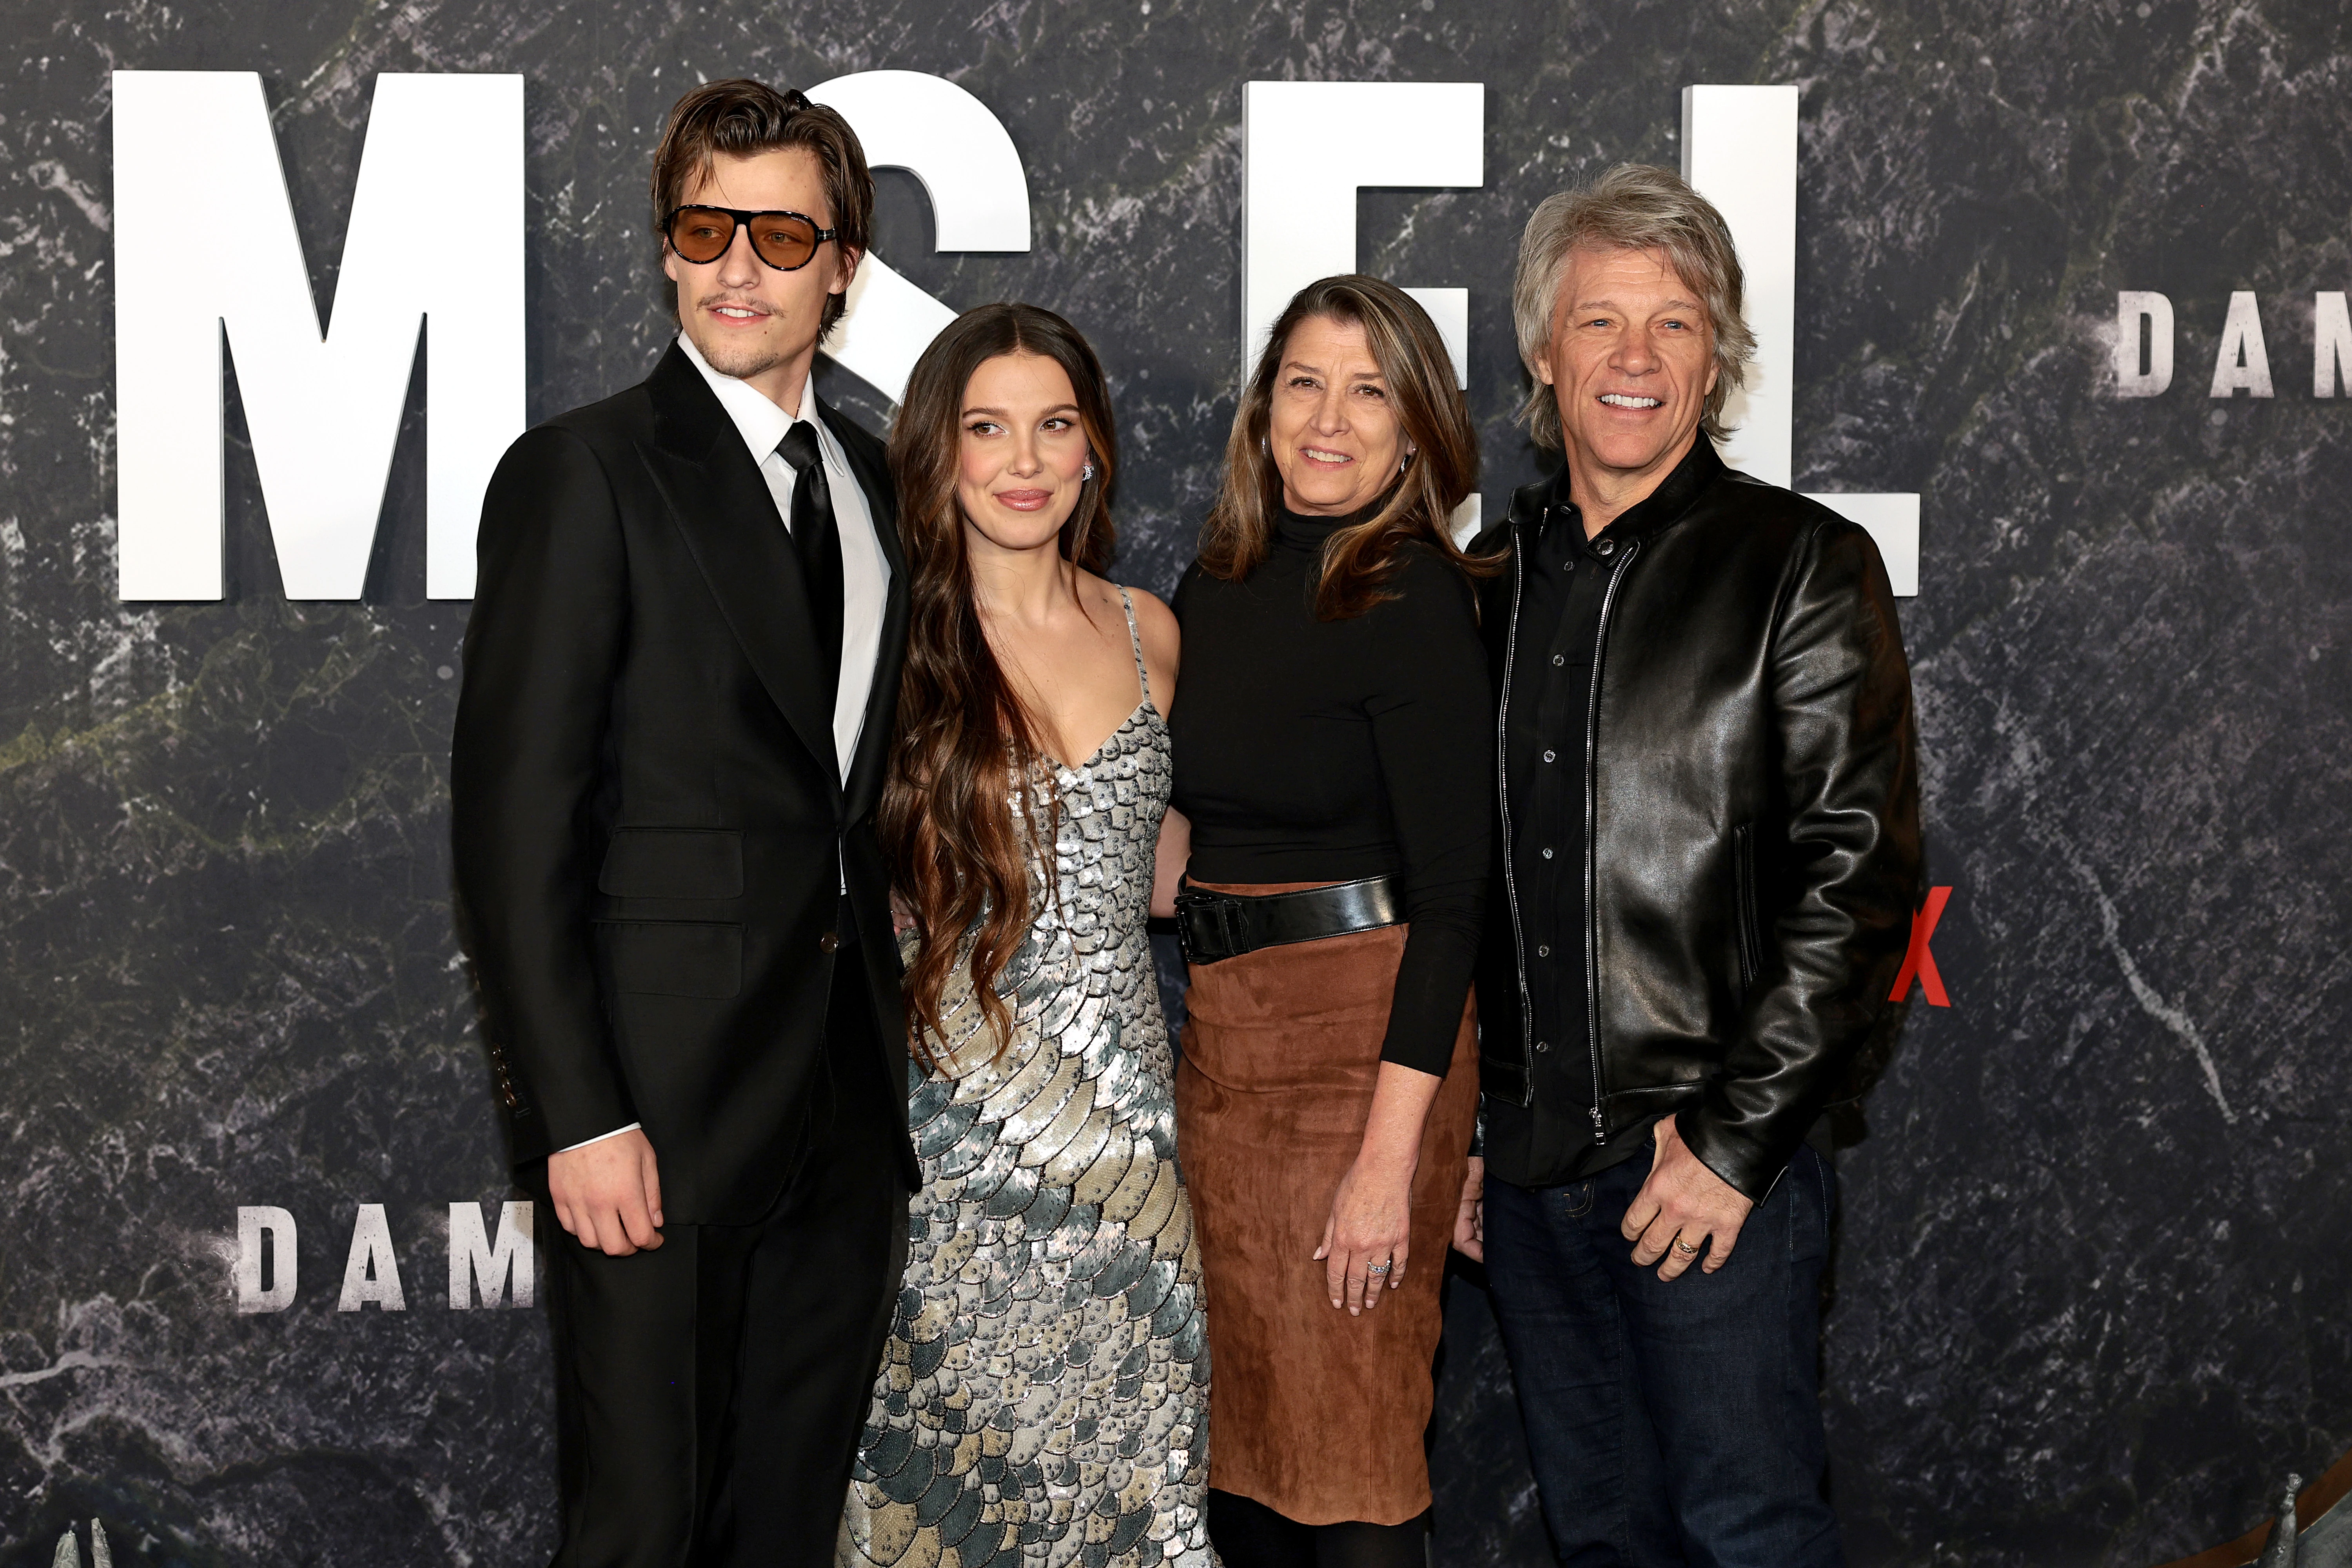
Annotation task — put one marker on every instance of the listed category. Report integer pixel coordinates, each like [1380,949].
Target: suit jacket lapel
[872,757]
[729,518]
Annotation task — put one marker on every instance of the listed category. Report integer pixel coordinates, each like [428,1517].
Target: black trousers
[710,1392]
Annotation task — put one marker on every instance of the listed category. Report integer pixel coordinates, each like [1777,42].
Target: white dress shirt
[864,572]
[864,569]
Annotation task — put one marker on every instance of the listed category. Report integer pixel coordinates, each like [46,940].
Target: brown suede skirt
[1318,1414]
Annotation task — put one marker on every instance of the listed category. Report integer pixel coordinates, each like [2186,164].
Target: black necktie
[817,537]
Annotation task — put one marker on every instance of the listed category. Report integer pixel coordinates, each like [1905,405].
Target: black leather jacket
[1752,824]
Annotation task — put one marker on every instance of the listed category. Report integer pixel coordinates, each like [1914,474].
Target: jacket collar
[705,472]
[1662,508]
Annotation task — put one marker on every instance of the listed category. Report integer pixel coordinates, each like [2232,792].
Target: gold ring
[1685,1248]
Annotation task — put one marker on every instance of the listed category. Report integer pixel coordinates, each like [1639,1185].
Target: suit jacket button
[828,942]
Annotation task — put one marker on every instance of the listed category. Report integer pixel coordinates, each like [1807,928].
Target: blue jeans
[1668,1423]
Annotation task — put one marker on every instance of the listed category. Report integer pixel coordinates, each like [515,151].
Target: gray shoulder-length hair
[1635,207]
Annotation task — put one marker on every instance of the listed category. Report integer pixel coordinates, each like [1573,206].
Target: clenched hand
[608,1194]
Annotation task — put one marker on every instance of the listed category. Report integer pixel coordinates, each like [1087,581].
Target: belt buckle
[1203,919]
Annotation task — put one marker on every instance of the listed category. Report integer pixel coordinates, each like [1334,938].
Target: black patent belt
[1215,926]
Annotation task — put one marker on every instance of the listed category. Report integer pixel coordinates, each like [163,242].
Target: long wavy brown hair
[1357,560]
[971,787]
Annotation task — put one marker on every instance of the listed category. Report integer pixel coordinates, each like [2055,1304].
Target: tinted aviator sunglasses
[784,240]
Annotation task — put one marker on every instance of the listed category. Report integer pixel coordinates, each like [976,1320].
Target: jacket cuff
[615,1132]
[1751,1168]
[581,1109]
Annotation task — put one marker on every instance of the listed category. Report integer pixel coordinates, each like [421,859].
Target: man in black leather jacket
[1707,861]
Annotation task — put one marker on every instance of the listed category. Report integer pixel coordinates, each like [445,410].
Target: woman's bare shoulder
[1152,614]
[1155,624]
[1154,618]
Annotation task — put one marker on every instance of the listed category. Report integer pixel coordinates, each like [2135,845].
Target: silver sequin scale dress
[1043,1394]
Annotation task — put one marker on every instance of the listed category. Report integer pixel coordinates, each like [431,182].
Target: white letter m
[474,1261]
[204,238]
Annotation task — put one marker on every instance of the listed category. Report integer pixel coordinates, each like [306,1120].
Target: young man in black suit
[681,675]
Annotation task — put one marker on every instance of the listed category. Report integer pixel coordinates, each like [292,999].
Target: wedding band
[1379,1267]
[1685,1248]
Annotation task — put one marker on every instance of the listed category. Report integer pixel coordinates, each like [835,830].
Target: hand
[608,1194]
[1371,1223]
[1684,1209]
[902,914]
[1470,1219]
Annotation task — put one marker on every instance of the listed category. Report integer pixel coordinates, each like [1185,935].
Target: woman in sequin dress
[1042,1397]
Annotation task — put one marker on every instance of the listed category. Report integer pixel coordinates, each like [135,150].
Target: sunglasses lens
[784,240]
[700,234]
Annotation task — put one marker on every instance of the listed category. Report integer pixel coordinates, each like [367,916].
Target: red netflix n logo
[1921,961]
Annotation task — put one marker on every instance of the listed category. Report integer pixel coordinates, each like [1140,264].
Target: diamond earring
[1085,473]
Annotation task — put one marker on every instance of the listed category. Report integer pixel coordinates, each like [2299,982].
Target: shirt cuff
[600,1137]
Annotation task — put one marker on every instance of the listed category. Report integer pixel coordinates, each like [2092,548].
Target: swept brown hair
[1418,504]
[741,117]
[970,785]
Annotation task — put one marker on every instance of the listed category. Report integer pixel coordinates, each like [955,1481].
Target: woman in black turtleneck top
[1325,751]
[1334,725]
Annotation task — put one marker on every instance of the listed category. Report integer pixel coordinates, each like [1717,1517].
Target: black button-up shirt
[1546,724]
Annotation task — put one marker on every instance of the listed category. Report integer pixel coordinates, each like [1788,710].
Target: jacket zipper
[1743,874]
[1592,791]
[1503,792]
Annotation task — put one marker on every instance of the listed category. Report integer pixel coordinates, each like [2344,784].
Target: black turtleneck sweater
[1312,750]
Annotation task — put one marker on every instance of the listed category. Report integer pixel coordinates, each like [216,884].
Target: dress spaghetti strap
[1135,641]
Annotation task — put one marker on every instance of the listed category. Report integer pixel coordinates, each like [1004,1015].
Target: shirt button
[1548,756]
[1543,950]
[1605,548]
[1559,658]
[1543,1044]
[1547,854]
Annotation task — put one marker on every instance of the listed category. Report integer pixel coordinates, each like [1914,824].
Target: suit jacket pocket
[673,863]
[674,958]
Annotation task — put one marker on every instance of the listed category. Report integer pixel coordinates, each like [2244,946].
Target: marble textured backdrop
[2091,1283]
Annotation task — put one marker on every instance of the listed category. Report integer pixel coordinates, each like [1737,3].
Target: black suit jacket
[647,808]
